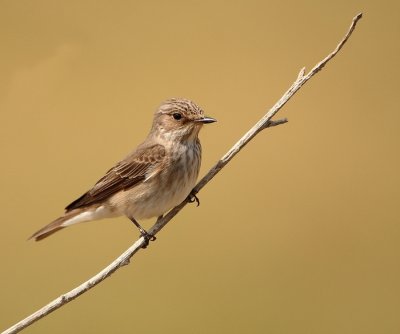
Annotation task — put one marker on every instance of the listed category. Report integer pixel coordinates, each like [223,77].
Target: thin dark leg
[147,236]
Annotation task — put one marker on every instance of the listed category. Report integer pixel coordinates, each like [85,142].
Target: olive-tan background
[298,234]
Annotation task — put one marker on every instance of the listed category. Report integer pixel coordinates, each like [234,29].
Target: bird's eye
[177,116]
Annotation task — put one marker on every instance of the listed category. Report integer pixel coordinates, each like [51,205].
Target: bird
[155,177]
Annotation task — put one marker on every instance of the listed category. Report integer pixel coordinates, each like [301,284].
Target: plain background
[298,234]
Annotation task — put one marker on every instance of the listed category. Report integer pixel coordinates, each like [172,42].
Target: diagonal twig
[265,122]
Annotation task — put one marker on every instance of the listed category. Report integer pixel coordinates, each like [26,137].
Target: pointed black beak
[206,120]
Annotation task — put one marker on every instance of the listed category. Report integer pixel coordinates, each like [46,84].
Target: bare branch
[122,260]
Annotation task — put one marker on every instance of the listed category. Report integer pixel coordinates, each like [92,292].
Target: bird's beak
[206,120]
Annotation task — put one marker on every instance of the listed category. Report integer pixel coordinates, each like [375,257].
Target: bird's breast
[168,184]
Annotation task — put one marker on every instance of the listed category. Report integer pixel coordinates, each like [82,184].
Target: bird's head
[179,119]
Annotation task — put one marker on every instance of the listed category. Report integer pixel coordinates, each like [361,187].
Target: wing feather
[124,175]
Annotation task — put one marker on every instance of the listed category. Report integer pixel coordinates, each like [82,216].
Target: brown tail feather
[41,235]
[53,226]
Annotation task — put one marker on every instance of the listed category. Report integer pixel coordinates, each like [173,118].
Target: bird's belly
[156,196]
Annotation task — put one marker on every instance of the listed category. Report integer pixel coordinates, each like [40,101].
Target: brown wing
[125,174]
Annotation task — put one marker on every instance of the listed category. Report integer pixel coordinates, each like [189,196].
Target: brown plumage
[124,175]
[157,175]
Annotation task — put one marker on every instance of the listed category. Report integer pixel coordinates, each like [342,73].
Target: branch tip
[301,74]
[275,123]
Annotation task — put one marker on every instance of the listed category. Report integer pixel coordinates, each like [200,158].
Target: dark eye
[177,116]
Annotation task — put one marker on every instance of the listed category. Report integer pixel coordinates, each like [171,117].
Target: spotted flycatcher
[158,175]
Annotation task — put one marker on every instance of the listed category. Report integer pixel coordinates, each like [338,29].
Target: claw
[143,233]
[193,198]
[147,237]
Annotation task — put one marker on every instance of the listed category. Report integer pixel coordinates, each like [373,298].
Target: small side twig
[122,260]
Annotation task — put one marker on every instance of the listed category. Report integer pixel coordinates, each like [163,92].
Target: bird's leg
[193,198]
[147,236]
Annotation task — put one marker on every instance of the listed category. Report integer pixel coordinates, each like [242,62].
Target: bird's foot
[193,198]
[147,237]
[143,233]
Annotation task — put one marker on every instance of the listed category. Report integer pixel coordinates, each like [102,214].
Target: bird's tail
[48,229]
[69,218]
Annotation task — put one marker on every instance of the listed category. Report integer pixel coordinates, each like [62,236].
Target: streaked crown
[187,107]
[179,119]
